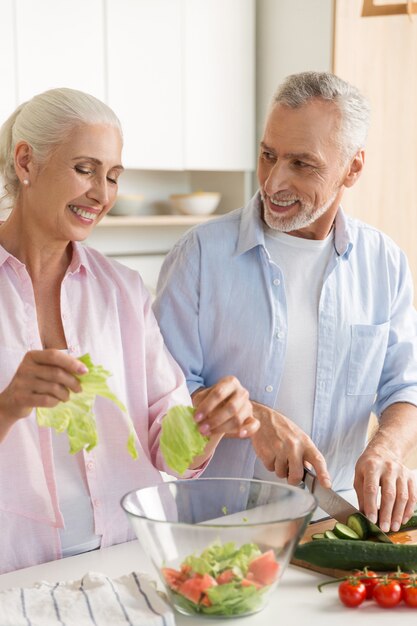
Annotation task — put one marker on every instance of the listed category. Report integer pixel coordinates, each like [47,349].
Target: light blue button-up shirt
[221,307]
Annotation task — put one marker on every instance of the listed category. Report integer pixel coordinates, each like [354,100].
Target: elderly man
[310,309]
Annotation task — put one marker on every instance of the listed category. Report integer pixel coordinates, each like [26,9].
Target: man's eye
[301,164]
[111,180]
[268,156]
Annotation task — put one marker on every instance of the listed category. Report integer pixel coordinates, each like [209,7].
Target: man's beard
[304,217]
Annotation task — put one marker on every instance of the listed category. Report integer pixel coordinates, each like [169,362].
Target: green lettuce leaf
[218,557]
[226,599]
[76,414]
[181,441]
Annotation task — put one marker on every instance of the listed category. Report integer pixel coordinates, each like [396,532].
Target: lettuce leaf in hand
[76,414]
[181,441]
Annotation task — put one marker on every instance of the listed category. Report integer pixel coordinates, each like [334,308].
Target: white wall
[291,36]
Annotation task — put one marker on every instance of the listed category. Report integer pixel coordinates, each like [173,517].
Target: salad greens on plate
[76,414]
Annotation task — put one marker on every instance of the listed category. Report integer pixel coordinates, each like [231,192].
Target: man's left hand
[378,468]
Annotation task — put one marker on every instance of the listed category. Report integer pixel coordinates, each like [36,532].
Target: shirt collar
[343,236]
[251,232]
[79,260]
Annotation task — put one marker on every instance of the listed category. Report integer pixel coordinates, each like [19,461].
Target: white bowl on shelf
[127,204]
[197,203]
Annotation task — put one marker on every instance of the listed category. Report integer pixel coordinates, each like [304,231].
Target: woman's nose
[99,190]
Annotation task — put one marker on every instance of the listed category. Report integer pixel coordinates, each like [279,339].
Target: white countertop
[296,600]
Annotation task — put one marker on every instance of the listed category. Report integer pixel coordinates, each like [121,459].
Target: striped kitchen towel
[95,600]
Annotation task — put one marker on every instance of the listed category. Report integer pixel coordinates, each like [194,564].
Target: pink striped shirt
[106,311]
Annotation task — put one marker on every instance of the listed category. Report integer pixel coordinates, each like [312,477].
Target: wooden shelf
[153,220]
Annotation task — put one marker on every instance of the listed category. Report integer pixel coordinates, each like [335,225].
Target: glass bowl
[220,545]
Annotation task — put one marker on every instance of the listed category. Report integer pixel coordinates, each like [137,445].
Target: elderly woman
[60,160]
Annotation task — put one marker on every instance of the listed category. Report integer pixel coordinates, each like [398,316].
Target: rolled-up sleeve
[398,382]
[177,308]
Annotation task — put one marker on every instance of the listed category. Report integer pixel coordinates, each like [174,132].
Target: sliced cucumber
[329,534]
[359,525]
[317,536]
[344,532]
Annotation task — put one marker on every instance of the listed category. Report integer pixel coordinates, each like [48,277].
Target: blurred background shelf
[111,221]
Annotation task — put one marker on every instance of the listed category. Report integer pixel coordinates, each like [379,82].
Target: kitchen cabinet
[179,73]
[181,77]
[59,44]
[144,65]
[219,84]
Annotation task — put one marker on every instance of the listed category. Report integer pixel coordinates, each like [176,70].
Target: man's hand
[225,408]
[381,466]
[284,448]
[378,468]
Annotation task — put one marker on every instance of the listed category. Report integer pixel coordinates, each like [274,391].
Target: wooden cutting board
[407,536]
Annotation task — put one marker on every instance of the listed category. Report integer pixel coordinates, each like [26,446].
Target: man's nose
[277,179]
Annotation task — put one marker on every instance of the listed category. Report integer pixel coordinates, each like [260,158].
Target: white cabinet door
[60,43]
[219,84]
[8,99]
[145,80]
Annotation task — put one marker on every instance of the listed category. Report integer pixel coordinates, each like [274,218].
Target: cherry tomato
[370,579]
[401,577]
[410,594]
[388,593]
[352,592]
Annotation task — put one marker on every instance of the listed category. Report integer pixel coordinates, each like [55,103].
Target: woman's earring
[26,182]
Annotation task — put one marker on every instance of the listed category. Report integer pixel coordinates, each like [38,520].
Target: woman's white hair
[44,122]
[299,89]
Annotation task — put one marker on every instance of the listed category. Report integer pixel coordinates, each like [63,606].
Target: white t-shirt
[74,499]
[303,263]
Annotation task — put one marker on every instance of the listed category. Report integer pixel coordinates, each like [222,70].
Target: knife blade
[337,507]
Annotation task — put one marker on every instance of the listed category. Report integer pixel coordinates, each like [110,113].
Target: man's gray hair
[299,89]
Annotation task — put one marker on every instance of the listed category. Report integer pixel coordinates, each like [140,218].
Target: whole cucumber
[348,555]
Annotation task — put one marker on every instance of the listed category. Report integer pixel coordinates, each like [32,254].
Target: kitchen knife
[337,507]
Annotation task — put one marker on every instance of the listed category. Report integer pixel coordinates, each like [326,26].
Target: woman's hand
[43,378]
[223,409]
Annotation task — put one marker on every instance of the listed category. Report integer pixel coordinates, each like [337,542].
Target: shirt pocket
[367,354]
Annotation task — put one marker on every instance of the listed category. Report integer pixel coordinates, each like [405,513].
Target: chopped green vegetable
[181,441]
[219,557]
[224,510]
[223,579]
[76,415]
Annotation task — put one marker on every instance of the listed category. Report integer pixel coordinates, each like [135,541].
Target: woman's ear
[355,169]
[23,160]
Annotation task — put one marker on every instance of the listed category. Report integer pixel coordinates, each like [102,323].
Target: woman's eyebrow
[97,161]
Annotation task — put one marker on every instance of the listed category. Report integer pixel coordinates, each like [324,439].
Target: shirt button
[90,465]
[279,335]
[96,503]
[277,281]
[269,388]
